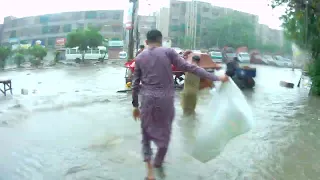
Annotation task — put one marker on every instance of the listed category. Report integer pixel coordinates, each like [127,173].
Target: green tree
[301,25]
[185,42]
[4,54]
[83,39]
[287,47]
[38,52]
[232,30]
[269,48]
[19,59]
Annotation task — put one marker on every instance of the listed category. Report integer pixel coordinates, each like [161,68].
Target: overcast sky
[22,8]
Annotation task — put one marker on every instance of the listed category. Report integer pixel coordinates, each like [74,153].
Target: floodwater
[73,125]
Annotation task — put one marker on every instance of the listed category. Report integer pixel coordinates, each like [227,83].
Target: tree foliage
[301,23]
[19,59]
[185,42]
[238,30]
[232,30]
[38,52]
[83,39]
[4,54]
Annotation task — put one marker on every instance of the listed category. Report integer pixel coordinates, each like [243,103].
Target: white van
[91,53]
[123,55]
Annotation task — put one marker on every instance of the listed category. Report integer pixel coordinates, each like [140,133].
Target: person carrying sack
[153,69]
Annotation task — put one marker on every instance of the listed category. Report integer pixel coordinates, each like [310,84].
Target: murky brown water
[75,126]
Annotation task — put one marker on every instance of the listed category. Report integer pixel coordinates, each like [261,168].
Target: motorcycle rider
[232,66]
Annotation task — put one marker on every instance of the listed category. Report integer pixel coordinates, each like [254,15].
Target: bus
[91,54]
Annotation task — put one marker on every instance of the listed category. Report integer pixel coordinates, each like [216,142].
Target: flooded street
[73,125]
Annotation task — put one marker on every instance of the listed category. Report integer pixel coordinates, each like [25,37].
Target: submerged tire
[238,82]
[249,82]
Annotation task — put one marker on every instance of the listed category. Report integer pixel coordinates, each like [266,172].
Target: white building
[268,35]
[162,21]
[146,23]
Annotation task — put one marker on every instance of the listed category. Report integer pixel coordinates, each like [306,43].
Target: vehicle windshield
[122,53]
[216,53]
[244,54]
[279,58]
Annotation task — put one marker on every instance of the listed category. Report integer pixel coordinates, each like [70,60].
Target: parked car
[269,59]
[123,55]
[287,62]
[216,56]
[243,57]
[280,61]
[256,58]
[228,53]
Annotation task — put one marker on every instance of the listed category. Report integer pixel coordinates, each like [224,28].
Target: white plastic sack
[229,115]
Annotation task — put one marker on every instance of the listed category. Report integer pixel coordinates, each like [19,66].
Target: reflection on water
[188,125]
[75,126]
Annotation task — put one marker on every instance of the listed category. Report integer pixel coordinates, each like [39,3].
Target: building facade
[52,29]
[191,18]
[1,29]
[162,21]
[146,23]
[270,36]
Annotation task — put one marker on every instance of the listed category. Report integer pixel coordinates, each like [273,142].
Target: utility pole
[137,34]
[195,11]
[131,31]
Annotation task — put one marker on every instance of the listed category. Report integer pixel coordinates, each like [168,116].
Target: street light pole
[137,34]
[131,31]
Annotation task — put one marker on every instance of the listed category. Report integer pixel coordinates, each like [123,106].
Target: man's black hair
[196,58]
[154,35]
[141,46]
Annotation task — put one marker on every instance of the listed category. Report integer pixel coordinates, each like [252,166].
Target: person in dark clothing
[141,48]
[232,66]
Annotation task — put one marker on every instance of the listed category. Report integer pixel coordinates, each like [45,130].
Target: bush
[4,54]
[314,72]
[19,59]
[36,62]
[38,52]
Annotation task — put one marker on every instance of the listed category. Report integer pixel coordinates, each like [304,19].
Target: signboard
[13,40]
[25,46]
[129,17]
[38,42]
[115,43]
[61,42]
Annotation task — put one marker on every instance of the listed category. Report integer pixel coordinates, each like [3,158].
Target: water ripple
[73,125]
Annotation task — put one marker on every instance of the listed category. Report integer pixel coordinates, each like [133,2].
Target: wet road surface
[73,125]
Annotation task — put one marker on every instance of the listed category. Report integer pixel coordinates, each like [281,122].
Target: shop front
[115,47]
